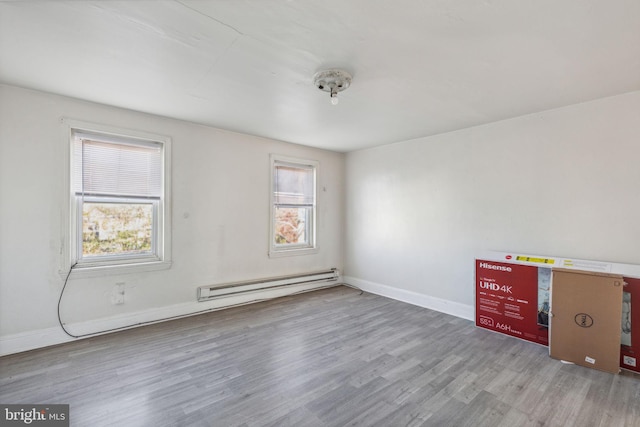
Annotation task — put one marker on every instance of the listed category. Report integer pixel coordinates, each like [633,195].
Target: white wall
[220,211]
[564,182]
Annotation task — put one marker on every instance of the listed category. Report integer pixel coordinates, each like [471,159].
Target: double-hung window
[293,206]
[119,192]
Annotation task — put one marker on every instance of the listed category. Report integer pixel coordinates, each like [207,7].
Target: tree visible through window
[290,225]
[109,228]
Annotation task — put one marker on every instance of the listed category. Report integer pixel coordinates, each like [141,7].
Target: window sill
[291,252]
[85,271]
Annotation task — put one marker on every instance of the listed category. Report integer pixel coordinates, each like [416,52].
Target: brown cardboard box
[586,308]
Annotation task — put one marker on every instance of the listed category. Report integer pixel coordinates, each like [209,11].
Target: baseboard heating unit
[206,293]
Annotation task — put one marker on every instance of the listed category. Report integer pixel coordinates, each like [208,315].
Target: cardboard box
[586,309]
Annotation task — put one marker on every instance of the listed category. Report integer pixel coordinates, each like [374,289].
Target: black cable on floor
[66,280]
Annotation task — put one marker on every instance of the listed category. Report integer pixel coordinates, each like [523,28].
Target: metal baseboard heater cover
[206,293]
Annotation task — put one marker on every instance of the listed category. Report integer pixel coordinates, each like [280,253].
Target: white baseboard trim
[31,340]
[24,341]
[438,304]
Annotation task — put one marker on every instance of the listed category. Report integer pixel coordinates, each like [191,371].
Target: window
[119,199]
[293,206]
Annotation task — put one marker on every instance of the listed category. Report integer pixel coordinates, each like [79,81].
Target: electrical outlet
[118,294]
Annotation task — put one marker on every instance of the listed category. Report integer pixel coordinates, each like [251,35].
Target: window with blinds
[118,192]
[293,210]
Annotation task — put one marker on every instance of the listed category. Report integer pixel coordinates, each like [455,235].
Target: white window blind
[118,169]
[294,185]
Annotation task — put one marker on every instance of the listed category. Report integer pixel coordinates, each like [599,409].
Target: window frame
[160,256]
[290,249]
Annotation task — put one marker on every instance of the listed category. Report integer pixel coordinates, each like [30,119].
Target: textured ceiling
[419,67]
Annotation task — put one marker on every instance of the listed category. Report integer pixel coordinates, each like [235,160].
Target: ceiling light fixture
[332,81]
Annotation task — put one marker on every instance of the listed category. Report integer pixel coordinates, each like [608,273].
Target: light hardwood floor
[333,357]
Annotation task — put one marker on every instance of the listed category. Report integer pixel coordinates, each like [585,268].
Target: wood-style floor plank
[335,357]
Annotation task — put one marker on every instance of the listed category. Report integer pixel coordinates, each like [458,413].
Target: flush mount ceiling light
[332,81]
